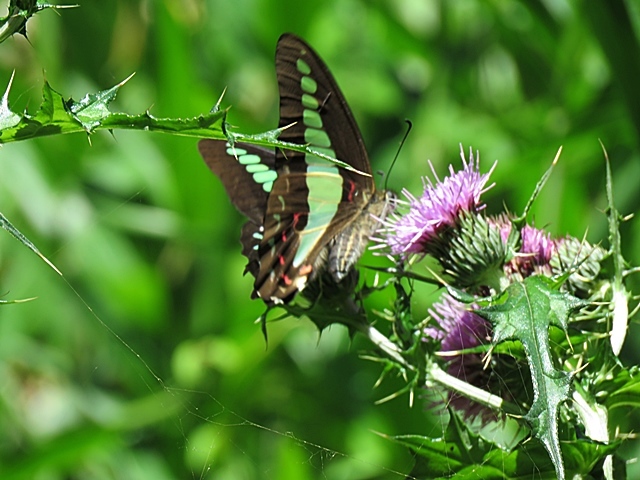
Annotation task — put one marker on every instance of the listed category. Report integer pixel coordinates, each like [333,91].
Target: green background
[144,360]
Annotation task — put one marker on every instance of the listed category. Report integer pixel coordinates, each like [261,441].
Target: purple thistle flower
[537,246]
[536,250]
[459,329]
[439,207]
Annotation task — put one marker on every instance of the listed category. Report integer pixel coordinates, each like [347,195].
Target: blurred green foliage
[144,361]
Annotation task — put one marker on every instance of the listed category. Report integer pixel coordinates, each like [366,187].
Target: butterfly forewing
[247,173]
[313,199]
[308,91]
[306,214]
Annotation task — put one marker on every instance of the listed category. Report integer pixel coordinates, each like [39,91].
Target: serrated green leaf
[57,116]
[19,12]
[94,107]
[8,119]
[619,301]
[52,117]
[462,454]
[622,388]
[524,312]
[457,449]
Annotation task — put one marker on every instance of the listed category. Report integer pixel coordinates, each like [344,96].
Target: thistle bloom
[439,207]
[480,255]
[459,329]
[535,253]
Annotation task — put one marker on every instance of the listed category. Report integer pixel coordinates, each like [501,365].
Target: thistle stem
[386,345]
[436,375]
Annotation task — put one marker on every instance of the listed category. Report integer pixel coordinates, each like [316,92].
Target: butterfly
[306,215]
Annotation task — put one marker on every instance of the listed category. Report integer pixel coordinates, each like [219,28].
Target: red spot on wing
[281,259]
[287,281]
[296,219]
[352,190]
[305,270]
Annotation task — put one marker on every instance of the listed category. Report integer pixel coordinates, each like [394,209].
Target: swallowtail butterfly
[305,214]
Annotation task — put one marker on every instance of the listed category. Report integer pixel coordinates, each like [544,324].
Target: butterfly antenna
[404,139]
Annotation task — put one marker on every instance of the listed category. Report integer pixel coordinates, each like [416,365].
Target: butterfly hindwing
[247,173]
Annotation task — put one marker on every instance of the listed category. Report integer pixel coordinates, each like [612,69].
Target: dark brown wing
[236,168]
[312,200]
[337,120]
[247,174]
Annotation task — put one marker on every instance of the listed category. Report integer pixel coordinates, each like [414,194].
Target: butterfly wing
[312,199]
[247,174]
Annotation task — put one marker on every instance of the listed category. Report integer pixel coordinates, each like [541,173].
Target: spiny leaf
[620,308]
[270,139]
[524,312]
[93,108]
[462,454]
[57,116]
[19,12]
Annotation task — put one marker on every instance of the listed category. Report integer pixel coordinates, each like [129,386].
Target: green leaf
[8,119]
[462,454]
[57,116]
[19,12]
[621,389]
[524,312]
[6,224]
[620,295]
[94,108]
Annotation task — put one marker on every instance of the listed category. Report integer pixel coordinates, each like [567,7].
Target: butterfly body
[306,215]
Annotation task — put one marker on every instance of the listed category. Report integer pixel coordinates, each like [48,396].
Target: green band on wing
[309,85]
[256,167]
[317,138]
[323,179]
[325,192]
[309,101]
[235,152]
[262,174]
[303,67]
[249,159]
[266,178]
[311,118]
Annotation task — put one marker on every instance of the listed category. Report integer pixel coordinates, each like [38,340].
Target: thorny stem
[436,375]
[386,345]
